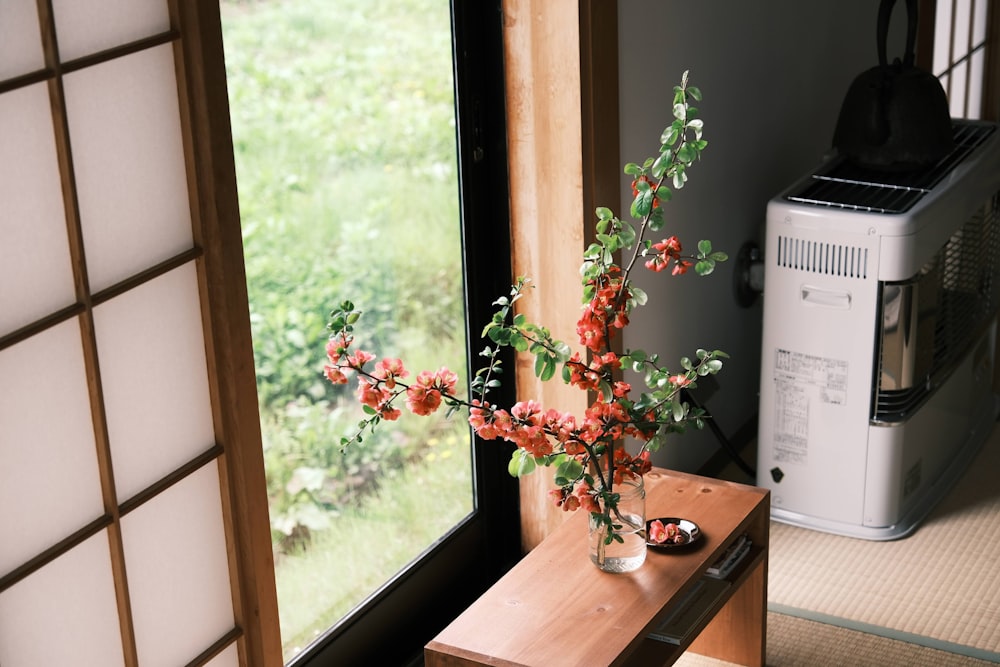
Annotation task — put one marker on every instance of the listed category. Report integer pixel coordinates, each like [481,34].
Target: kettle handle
[884,14]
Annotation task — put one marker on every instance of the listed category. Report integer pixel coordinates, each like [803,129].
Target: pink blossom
[446,380]
[334,374]
[372,395]
[390,369]
[359,359]
[681,267]
[527,411]
[423,397]
[680,380]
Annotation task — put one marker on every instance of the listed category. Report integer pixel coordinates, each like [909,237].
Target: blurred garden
[344,134]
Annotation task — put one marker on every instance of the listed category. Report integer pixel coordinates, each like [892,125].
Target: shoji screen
[121,540]
[961,52]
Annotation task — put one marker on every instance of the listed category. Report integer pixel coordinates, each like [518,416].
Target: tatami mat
[939,587]
[796,642]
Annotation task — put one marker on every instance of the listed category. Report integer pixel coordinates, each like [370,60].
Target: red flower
[422,397]
[359,359]
[334,374]
[645,179]
[668,250]
[388,370]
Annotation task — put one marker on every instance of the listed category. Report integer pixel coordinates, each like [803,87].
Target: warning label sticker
[799,381]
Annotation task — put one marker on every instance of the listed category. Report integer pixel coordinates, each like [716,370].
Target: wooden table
[556,608]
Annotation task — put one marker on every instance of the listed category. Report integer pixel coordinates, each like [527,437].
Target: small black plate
[689,529]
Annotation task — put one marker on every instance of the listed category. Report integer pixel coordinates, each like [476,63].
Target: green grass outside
[343,129]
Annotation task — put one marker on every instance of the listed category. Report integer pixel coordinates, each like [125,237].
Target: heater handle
[817,296]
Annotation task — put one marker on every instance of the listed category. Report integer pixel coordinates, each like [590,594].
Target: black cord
[727,446]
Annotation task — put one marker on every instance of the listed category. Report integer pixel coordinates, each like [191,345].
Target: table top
[556,607]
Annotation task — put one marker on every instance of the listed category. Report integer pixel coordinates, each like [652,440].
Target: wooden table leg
[738,632]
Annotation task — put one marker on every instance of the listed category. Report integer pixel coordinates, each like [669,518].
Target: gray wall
[773,74]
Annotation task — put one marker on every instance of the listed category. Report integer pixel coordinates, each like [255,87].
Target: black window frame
[392,627]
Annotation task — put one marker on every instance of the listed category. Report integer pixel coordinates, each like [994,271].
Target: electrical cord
[724,442]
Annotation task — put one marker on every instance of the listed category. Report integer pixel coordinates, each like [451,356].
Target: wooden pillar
[556,169]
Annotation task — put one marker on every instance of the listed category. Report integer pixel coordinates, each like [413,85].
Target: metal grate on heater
[958,295]
[845,185]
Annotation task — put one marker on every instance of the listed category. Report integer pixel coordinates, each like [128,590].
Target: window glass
[343,119]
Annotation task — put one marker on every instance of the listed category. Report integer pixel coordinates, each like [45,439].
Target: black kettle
[894,117]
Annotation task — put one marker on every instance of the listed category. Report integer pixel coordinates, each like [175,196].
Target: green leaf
[627,234]
[606,391]
[562,351]
[521,463]
[642,204]
[664,194]
[569,471]
[704,267]
[660,166]
[539,365]
[705,246]
[694,92]
[639,295]
[656,219]
[632,169]
[604,213]
[686,153]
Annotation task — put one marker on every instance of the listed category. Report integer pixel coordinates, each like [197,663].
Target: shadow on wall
[774,76]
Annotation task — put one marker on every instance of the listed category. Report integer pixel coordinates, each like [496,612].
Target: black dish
[689,529]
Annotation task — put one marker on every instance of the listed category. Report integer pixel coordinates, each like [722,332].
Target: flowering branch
[587,454]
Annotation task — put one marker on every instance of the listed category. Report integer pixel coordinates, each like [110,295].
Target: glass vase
[629,553]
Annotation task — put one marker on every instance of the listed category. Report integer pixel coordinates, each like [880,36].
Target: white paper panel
[126,138]
[63,614]
[979,22]
[35,272]
[49,481]
[95,25]
[975,106]
[152,357]
[20,39]
[957,94]
[942,38]
[175,556]
[229,657]
[962,29]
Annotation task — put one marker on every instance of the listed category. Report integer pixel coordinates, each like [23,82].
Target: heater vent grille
[831,259]
[950,301]
[845,185]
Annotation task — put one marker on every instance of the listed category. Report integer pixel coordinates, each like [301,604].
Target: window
[957,43]
[154,513]
[350,174]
